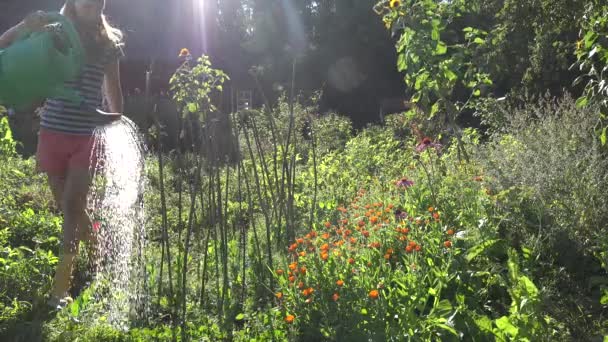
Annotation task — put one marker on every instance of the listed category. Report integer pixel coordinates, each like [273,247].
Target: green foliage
[193,85]
[437,58]
[547,172]
[7,144]
[592,59]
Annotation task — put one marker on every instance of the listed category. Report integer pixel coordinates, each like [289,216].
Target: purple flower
[426,143]
[404,182]
[400,215]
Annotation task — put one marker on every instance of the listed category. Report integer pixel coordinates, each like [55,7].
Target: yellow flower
[579,44]
[395,3]
[184,52]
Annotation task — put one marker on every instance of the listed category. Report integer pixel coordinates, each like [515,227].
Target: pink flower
[426,143]
[404,182]
[96,226]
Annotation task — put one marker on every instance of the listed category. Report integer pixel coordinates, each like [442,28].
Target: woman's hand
[35,21]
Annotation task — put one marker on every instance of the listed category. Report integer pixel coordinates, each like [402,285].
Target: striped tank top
[81,118]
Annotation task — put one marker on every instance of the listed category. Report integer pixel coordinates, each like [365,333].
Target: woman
[65,142]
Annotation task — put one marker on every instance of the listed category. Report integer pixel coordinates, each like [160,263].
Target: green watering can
[37,64]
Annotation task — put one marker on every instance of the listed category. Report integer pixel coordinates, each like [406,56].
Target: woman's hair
[106,34]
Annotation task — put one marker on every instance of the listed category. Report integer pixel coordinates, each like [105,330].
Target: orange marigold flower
[292,279]
[409,249]
[368,214]
[327,224]
[369,264]
[302,253]
[335,297]
[367,206]
[340,282]
[293,266]
[387,256]
[324,255]
[390,251]
[279,272]
[325,236]
[300,240]
[313,233]
[436,216]
[431,209]
[325,247]
[373,294]
[348,232]
[289,319]
[418,248]
[378,213]
[412,243]
[279,295]
[353,240]
[184,52]
[450,232]
[344,221]
[293,247]
[373,219]
[365,233]
[402,238]
[387,210]
[307,292]
[375,244]
[447,244]
[390,206]
[303,270]
[301,285]
[351,261]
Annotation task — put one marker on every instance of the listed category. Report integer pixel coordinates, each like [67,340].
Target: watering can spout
[38,64]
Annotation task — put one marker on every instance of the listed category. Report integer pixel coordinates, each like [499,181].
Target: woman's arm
[9,36]
[32,22]
[112,88]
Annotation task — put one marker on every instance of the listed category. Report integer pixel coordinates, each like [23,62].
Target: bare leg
[74,211]
[57,183]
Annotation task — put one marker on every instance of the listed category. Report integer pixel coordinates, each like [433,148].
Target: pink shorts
[57,152]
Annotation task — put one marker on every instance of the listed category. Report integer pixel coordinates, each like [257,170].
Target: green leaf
[435,34]
[467,29]
[604,299]
[75,308]
[478,249]
[603,137]
[441,48]
[505,325]
[484,323]
[476,92]
[447,328]
[401,62]
[582,101]
[192,107]
[449,74]
[479,41]
[240,317]
[531,289]
[434,109]
[363,311]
